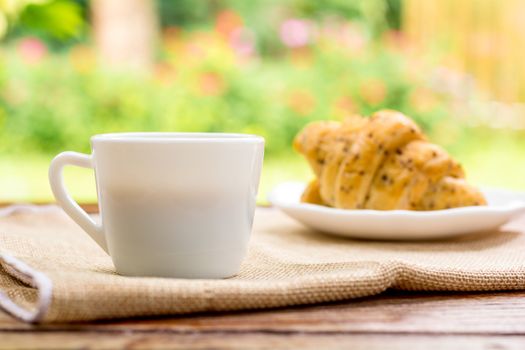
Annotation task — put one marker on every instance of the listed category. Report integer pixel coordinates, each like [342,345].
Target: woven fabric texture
[287,264]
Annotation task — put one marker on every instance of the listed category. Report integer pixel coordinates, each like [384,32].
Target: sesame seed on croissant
[383,162]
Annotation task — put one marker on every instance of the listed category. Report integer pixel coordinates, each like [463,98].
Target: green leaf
[61,19]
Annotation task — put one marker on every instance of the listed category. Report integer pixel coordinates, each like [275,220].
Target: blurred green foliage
[58,19]
[58,102]
[58,22]
[266,67]
[264,16]
[347,62]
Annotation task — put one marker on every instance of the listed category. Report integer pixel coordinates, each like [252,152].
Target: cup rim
[177,137]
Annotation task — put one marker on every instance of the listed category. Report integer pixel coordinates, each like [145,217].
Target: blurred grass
[499,163]
[23,178]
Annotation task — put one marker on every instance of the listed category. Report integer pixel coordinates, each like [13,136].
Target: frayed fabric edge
[26,274]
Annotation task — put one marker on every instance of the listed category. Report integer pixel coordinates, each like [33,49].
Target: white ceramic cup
[171,204]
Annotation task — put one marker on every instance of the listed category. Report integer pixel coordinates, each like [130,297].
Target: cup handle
[67,203]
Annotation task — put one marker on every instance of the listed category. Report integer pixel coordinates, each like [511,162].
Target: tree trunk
[125,32]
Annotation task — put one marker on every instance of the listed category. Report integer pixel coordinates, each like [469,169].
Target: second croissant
[383,162]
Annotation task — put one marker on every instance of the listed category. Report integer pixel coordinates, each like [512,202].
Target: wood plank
[391,313]
[78,340]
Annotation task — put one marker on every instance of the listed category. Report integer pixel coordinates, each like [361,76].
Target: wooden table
[394,320]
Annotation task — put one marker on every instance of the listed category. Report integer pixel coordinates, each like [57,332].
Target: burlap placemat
[50,271]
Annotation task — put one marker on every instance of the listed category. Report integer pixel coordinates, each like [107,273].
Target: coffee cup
[177,205]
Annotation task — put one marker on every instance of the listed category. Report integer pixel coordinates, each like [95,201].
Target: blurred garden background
[73,68]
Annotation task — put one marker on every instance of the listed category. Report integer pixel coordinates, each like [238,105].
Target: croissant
[383,162]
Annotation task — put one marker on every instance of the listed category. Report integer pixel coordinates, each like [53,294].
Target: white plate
[399,224]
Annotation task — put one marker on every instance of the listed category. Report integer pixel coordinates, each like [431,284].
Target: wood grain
[395,320]
[79,340]
[394,312]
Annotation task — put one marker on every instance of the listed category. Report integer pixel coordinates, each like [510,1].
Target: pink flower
[242,41]
[347,35]
[228,21]
[211,84]
[32,50]
[296,33]
[352,37]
